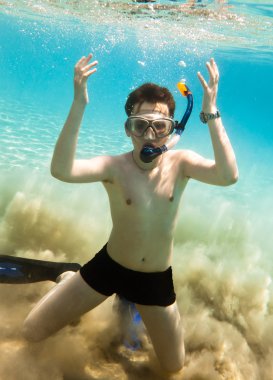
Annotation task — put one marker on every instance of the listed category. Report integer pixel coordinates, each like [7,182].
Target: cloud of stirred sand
[222,278]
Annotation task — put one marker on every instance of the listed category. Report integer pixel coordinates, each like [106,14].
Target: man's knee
[33,333]
[174,363]
[173,366]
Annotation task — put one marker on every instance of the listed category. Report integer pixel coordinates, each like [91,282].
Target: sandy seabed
[222,276]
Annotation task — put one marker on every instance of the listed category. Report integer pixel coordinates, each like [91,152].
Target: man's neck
[143,165]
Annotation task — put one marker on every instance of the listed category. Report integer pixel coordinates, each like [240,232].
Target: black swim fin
[19,270]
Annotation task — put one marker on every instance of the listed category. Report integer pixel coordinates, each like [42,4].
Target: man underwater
[144,198]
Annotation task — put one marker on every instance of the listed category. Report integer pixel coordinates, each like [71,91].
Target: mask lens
[163,127]
[137,126]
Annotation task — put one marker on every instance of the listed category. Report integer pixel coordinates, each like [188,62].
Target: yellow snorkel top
[184,90]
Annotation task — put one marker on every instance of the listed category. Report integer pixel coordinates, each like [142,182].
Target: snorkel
[148,153]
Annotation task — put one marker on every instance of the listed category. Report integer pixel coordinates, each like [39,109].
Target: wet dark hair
[151,93]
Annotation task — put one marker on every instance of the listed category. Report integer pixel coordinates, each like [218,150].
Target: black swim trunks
[107,276]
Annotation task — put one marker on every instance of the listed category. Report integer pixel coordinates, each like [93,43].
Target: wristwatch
[205,117]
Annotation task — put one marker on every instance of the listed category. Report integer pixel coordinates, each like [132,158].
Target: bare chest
[157,189]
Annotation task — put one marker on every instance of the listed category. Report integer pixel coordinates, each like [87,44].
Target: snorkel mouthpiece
[148,153]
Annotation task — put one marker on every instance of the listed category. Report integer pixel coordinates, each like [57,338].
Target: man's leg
[166,332]
[66,302]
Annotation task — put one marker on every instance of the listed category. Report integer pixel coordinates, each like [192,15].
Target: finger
[88,67]
[87,59]
[210,69]
[213,71]
[88,73]
[215,67]
[202,80]
[79,63]
[83,60]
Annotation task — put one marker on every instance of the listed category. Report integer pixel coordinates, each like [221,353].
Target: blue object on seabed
[133,341]
[132,321]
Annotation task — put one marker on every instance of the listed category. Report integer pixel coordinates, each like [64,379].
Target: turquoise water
[223,242]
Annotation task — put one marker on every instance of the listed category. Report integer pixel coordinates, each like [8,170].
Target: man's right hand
[83,70]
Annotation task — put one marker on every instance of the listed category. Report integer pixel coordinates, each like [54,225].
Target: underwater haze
[223,253]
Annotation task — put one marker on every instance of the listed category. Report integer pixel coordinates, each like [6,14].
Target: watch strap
[206,116]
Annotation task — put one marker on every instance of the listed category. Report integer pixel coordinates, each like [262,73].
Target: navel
[128,201]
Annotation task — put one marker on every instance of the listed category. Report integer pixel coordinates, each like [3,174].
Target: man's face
[150,111]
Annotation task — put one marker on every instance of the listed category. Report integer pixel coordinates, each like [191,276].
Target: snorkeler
[144,198]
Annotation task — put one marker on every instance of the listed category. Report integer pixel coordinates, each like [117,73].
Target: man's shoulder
[184,157]
[120,158]
[182,154]
[111,159]
[118,161]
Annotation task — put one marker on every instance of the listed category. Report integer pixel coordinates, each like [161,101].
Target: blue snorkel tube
[148,153]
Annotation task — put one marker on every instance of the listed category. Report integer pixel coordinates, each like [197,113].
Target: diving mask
[162,126]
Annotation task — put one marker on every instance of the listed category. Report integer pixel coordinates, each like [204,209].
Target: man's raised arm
[64,166]
[223,169]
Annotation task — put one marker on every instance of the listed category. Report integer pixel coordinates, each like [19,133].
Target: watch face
[203,117]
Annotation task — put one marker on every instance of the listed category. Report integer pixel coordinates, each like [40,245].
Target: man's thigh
[63,304]
[166,332]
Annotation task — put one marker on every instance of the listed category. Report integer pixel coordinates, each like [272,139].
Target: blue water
[224,235]
[36,74]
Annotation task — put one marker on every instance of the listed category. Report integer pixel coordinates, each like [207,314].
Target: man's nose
[149,134]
